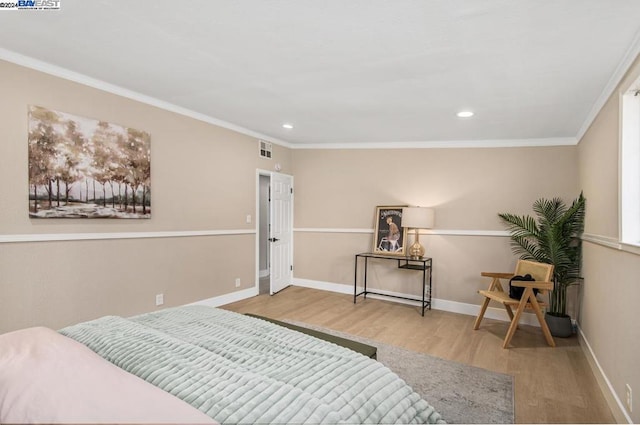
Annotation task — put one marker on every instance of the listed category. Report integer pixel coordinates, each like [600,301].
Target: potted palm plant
[552,238]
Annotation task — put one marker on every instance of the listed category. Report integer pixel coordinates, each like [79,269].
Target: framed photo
[389,236]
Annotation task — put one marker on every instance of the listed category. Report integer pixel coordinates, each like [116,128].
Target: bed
[239,369]
[48,378]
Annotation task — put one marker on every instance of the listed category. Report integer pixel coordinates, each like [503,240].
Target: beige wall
[339,189]
[203,178]
[609,314]
[61,283]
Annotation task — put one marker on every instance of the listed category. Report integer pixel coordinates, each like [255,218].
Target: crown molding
[440,144]
[48,68]
[627,60]
[76,77]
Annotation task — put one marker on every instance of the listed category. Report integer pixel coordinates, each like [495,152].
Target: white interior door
[281,231]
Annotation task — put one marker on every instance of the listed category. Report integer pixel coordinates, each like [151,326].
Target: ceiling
[347,73]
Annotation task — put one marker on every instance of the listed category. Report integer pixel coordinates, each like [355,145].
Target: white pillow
[46,377]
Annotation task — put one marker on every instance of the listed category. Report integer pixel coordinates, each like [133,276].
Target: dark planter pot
[559,325]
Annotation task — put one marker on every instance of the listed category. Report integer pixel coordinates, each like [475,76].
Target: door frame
[267,173]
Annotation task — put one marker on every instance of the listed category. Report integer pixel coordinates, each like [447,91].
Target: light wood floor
[552,385]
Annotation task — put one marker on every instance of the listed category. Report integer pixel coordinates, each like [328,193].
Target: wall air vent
[264,148]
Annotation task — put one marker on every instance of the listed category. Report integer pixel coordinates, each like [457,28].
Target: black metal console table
[424,264]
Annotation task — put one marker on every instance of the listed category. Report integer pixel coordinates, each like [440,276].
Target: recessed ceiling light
[465,114]
[287,126]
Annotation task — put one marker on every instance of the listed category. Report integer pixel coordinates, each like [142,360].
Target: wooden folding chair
[543,275]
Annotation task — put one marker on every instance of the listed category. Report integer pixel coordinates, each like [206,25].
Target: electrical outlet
[159,299]
[629,398]
[248,219]
[237,282]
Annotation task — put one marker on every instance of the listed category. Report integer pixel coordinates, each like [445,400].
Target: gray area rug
[460,393]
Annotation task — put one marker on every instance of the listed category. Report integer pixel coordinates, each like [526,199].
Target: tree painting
[83,168]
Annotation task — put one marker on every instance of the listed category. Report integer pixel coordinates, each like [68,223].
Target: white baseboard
[229,298]
[436,304]
[615,404]
[324,286]
[496,313]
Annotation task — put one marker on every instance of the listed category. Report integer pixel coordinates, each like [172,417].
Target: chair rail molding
[609,242]
[53,237]
[443,232]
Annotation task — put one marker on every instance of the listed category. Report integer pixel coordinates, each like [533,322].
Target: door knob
[273,239]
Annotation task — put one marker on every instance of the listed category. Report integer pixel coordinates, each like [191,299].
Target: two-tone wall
[204,185]
[193,248]
[337,192]
[610,317]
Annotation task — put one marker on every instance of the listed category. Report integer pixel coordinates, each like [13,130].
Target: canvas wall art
[85,168]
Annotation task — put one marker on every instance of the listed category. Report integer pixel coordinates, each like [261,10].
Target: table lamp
[417,218]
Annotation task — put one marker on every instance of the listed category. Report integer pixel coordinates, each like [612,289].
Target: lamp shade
[418,217]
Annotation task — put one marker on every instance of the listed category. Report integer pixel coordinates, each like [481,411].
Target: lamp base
[416,251]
